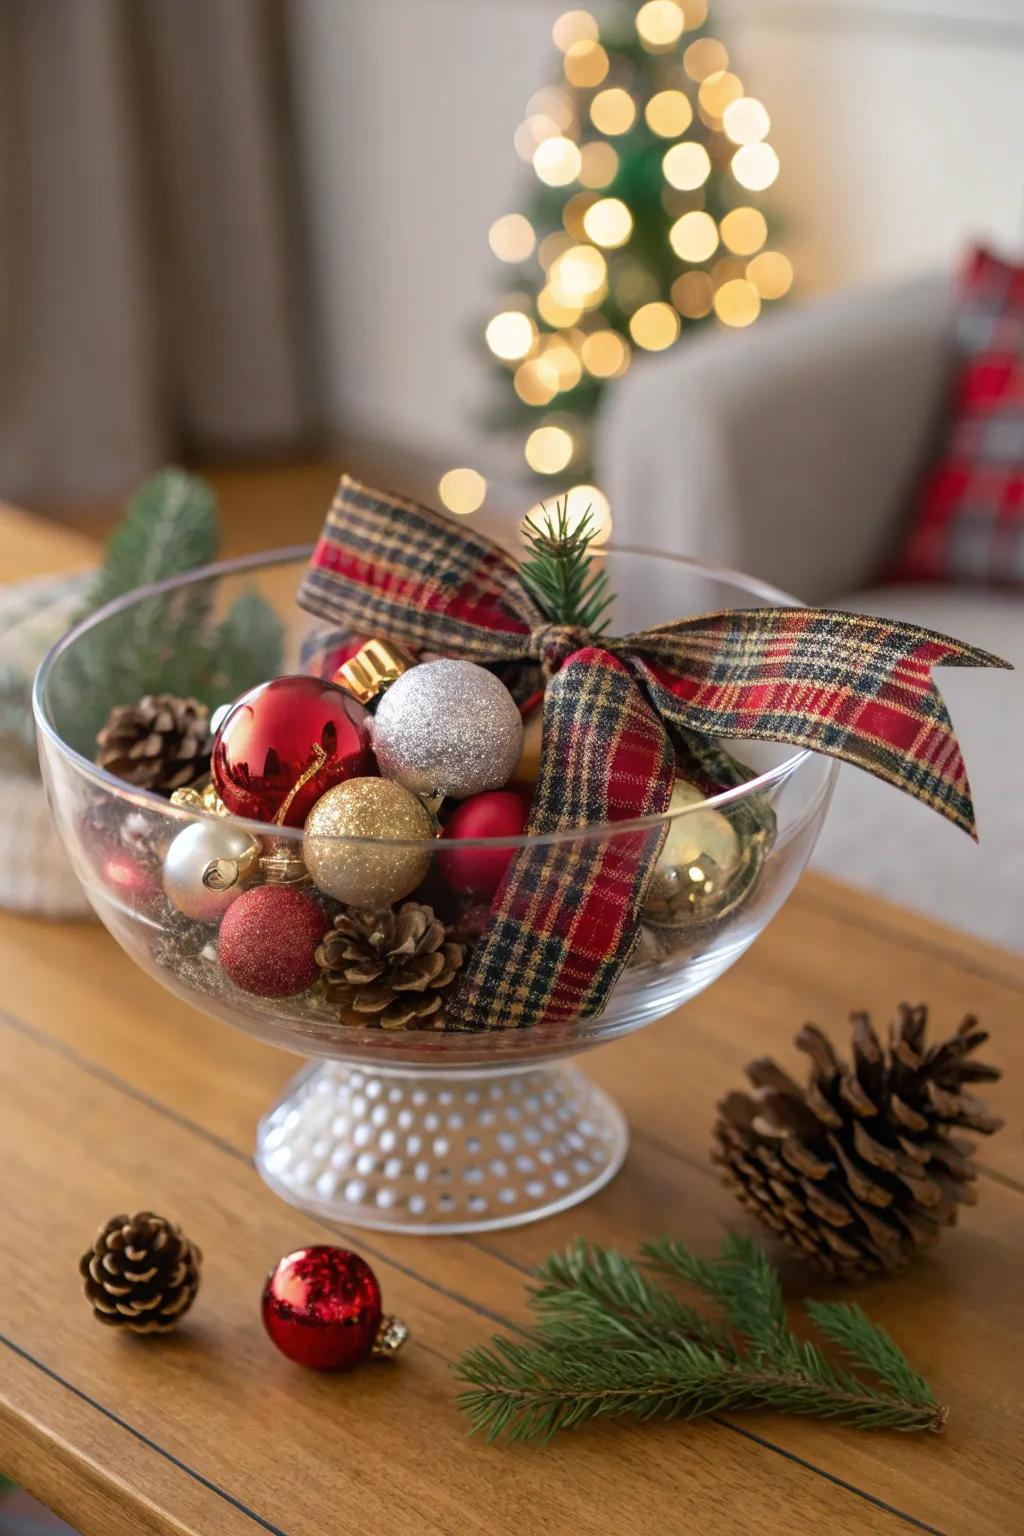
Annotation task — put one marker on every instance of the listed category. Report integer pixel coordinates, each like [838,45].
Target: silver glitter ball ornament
[199,848]
[448,727]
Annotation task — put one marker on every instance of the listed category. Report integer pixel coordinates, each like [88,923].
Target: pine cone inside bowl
[161,743]
[387,969]
[863,1166]
[141,1273]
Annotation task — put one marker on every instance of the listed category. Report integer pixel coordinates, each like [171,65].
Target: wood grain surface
[114,1094]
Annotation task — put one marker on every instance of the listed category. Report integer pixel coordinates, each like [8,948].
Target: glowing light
[536,381]
[552,246]
[557,161]
[552,101]
[704,57]
[600,165]
[668,114]
[726,270]
[718,92]
[574,27]
[692,295]
[548,450]
[561,360]
[511,237]
[613,111]
[575,211]
[462,490]
[737,303]
[694,237]
[696,13]
[608,222]
[532,132]
[659,23]
[746,120]
[686,166]
[755,166]
[555,311]
[510,335]
[654,327]
[586,64]
[605,354]
[744,231]
[579,276]
[771,274]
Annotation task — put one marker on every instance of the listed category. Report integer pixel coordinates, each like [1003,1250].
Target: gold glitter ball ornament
[448,727]
[368,873]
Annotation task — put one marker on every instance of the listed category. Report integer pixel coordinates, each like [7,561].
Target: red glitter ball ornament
[284,744]
[321,1307]
[497,813]
[268,938]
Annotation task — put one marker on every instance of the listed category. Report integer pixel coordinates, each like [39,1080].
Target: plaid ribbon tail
[854,687]
[565,918]
[387,566]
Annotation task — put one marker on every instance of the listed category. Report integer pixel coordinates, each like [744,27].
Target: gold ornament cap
[200,797]
[391,1335]
[373,668]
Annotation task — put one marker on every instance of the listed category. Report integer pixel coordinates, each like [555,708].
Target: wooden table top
[116,1095]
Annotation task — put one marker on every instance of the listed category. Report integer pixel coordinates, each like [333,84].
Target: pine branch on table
[612,1341]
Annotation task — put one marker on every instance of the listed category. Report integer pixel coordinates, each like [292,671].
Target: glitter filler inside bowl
[405,1119]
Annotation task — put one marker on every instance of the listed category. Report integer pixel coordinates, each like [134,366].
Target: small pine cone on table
[161,743]
[864,1166]
[141,1273]
[386,969]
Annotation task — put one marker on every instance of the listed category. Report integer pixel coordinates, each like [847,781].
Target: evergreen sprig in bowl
[402,1121]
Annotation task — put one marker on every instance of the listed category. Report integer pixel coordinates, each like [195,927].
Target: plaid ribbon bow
[561,929]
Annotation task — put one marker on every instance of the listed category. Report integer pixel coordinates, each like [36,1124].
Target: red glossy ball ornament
[284,744]
[498,813]
[268,939]
[321,1306]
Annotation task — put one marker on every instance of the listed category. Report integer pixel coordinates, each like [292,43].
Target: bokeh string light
[648,157]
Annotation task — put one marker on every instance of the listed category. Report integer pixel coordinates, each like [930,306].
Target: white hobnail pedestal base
[439,1152]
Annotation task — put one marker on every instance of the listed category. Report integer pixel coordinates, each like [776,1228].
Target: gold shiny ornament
[373,668]
[385,867]
[527,770]
[704,868]
[200,797]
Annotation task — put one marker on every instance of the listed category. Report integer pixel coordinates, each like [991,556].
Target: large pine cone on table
[161,743]
[863,1167]
[387,969]
[141,1273]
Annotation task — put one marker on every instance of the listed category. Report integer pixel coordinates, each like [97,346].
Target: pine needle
[612,1341]
[559,573]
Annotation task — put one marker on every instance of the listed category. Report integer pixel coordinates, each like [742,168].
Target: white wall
[900,124]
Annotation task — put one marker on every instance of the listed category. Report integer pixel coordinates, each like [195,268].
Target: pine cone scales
[161,743]
[387,969]
[863,1166]
[141,1273]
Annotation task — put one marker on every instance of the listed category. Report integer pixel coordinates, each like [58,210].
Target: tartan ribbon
[856,688]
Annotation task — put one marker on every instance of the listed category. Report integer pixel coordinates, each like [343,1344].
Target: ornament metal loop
[391,1335]
[372,669]
[222,874]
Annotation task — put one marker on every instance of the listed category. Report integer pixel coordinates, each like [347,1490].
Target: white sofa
[790,451]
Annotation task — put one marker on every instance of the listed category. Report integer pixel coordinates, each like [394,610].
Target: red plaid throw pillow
[968,524]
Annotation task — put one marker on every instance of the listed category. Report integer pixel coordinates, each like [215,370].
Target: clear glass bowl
[424,1129]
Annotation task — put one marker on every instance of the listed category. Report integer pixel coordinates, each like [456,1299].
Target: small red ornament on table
[268,938]
[497,813]
[284,744]
[322,1308]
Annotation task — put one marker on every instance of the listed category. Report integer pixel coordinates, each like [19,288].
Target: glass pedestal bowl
[415,1129]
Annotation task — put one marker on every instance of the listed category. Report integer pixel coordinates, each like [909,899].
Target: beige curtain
[148,265]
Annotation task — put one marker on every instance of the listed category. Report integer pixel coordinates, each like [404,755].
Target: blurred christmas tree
[642,225]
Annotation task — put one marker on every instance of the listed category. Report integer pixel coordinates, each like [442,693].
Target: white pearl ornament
[195,849]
